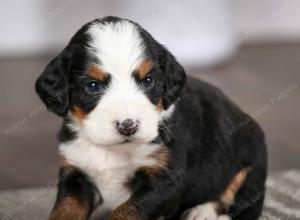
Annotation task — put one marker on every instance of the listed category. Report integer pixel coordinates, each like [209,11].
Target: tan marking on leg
[70,208]
[144,68]
[228,196]
[97,73]
[161,156]
[126,211]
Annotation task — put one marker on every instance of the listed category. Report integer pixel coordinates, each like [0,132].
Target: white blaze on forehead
[118,46]
[120,51]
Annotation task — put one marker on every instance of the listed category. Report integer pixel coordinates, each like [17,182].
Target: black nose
[127,127]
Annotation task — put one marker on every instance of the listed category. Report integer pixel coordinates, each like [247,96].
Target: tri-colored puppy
[140,141]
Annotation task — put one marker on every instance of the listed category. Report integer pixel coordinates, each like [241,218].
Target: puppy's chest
[110,170]
[111,179]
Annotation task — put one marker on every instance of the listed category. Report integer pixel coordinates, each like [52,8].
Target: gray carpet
[282,200]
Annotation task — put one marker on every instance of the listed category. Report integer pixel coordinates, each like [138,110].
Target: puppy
[141,141]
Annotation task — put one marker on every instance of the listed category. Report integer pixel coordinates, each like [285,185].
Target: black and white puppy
[141,141]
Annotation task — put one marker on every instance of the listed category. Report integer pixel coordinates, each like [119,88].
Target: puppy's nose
[127,127]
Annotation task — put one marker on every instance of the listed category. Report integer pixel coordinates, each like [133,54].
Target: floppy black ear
[52,85]
[174,79]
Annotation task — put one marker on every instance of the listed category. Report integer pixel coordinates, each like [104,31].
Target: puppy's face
[113,81]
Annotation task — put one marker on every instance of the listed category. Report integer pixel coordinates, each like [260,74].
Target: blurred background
[250,49]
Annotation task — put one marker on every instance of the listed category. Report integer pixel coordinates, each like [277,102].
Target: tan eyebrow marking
[97,73]
[144,68]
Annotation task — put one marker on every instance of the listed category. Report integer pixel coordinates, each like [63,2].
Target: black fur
[58,84]
[171,72]
[206,152]
[208,156]
[75,184]
[53,84]
[213,154]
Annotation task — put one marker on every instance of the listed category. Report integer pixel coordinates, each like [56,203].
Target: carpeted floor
[282,200]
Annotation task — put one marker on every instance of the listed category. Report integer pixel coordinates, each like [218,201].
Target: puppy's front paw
[224,217]
[201,212]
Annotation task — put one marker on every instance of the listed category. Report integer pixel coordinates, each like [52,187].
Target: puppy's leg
[212,210]
[249,199]
[154,191]
[75,196]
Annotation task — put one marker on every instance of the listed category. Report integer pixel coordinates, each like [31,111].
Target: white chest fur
[109,167]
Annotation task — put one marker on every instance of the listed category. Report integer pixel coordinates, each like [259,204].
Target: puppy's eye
[93,87]
[148,82]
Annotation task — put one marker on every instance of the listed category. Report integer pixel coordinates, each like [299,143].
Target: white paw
[201,212]
[224,217]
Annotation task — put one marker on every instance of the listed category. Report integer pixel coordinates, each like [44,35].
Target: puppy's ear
[52,85]
[174,79]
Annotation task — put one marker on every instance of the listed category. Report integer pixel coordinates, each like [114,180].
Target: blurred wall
[261,21]
[197,31]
